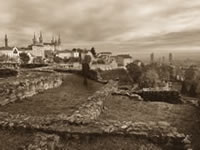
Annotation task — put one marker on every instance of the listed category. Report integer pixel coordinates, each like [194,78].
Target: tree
[24,58]
[192,91]
[3,58]
[184,88]
[86,68]
[149,79]
[93,51]
[38,60]
[190,74]
[135,71]
[57,59]
[164,72]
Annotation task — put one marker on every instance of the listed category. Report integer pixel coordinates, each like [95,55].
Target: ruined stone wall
[16,89]
[161,133]
[165,96]
[93,107]
[84,122]
[9,65]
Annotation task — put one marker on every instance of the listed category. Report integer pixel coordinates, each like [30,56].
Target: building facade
[38,47]
[123,60]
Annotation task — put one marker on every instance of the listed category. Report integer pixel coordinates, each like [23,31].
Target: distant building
[152,58]
[170,58]
[123,60]
[64,54]
[105,57]
[38,47]
[12,52]
[163,59]
[75,54]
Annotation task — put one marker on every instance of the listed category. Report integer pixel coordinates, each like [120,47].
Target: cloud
[108,24]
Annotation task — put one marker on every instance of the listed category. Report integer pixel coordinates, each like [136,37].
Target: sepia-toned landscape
[99,75]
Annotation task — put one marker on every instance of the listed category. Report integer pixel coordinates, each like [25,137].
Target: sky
[108,25]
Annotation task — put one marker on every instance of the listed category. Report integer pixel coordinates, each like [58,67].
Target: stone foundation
[165,96]
[160,133]
[83,122]
[93,107]
[17,89]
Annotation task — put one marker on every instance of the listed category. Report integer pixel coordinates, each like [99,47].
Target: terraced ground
[64,99]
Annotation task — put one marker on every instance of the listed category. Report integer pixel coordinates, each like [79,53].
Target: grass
[120,74]
[184,117]
[64,99]
[12,139]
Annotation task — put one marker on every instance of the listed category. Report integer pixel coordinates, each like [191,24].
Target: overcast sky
[118,25]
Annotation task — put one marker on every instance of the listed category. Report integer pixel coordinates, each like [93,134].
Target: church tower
[152,58]
[53,40]
[6,41]
[170,58]
[34,39]
[59,40]
[41,38]
[56,42]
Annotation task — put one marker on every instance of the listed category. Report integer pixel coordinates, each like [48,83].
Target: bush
[32,65]
[24,58]
[7,73]
[117,74]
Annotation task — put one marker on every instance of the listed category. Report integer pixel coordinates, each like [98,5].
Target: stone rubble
[172,97]
[85,117]
[93,107]
[128,94]
[44,141]
[158,132]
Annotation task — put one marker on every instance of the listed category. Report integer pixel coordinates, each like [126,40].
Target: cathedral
[39,47]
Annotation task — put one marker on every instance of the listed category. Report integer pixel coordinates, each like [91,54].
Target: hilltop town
[40,51]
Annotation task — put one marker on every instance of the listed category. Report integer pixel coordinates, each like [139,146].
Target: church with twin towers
[39,46]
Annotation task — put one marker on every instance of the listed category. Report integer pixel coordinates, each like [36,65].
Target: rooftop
[65,51]
[105,53]
[124,56]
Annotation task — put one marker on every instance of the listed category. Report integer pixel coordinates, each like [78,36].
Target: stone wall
[5,73]
[161,133]
[93,107]
[172,97]
[9,65]
[92,74]
[16,89]
[84,122]
[165,96]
